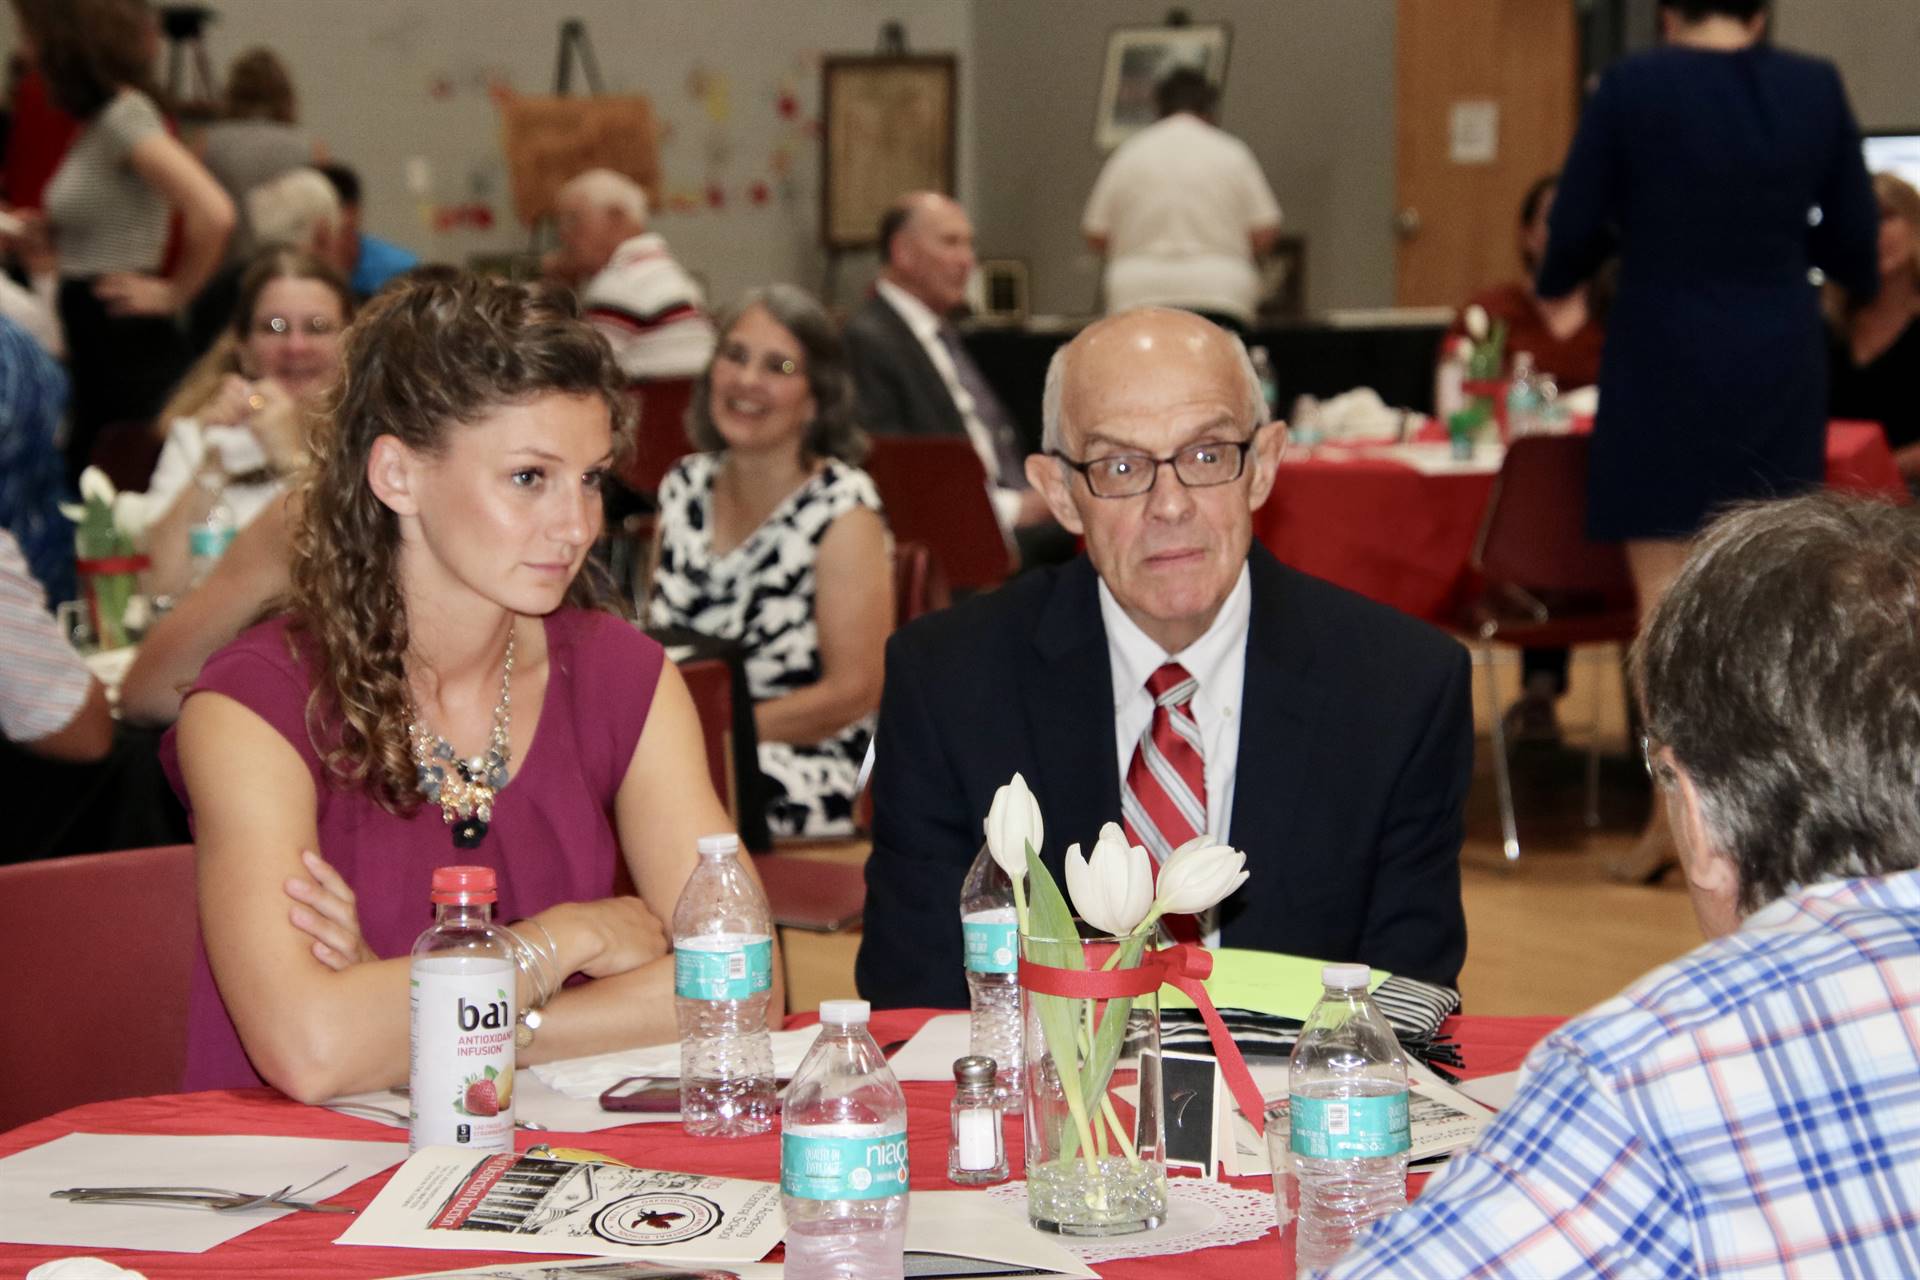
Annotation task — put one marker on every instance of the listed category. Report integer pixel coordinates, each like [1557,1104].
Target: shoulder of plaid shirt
[1752,1109]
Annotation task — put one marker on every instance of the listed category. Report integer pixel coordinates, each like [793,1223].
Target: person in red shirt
[1563,335]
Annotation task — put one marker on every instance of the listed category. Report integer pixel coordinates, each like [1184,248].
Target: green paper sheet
[1264,981]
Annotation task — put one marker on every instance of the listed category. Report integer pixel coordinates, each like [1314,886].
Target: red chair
[1547,586]
[935,492]
[710,681]
[98,965]
[919,587]
[659,432]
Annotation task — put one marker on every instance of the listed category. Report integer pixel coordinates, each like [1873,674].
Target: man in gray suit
[913,375]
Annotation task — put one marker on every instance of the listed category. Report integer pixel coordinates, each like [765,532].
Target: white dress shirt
[1218,662]
[925,326]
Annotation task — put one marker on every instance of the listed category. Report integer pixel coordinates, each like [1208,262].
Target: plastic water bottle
[1348,1118]
[992,948]
[722,974]
[843,1156]
[1450,382]
[1524,400]
[460,1079]
[209,536]
[1269,384]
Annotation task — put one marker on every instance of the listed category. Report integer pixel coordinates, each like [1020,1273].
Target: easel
[184,26]
[574,47]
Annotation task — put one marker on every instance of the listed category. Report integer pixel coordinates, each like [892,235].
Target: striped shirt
[43,682]
[104,216]
[651,310]
[1752,1109]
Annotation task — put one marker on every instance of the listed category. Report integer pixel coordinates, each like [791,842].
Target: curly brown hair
[422,358]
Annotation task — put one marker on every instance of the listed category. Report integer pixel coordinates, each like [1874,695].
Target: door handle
[1407,223]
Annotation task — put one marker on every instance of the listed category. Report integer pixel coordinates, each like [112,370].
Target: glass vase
[108,584]
[1095,1128]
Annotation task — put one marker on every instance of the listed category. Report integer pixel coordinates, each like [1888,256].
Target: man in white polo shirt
[1182,212]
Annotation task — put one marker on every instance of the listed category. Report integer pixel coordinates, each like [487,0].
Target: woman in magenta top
[438,616]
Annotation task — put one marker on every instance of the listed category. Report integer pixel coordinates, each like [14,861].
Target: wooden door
[1487,103]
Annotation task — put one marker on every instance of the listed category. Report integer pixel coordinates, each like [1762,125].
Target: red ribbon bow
[1182,967]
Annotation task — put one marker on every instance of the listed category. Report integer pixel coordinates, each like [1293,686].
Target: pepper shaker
[976,1152]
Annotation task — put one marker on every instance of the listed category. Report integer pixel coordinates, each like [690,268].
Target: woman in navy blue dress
[1721,170]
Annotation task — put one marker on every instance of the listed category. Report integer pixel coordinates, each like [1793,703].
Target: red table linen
[299,1246]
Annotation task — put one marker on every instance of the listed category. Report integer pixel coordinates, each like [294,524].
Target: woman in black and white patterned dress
[773,537]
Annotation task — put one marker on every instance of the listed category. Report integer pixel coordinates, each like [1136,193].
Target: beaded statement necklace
[464,789]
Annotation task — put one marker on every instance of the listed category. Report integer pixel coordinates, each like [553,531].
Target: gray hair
[290,208]
[1782,669]
[605,189]
[1052,396]
[833,432]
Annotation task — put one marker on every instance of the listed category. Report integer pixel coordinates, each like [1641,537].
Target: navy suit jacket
[1356,746]
[897,389]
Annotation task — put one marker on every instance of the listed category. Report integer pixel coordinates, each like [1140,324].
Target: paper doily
[1200,1215]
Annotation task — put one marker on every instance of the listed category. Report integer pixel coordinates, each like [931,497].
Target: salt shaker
[976,1152]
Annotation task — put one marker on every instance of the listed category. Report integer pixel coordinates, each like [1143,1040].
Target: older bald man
[1178,678]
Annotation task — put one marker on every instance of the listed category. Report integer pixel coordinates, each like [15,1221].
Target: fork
[218,1199]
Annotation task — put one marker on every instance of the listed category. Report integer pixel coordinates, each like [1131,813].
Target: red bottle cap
[463,884]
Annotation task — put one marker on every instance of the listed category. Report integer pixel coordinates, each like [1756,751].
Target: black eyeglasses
[1128,475]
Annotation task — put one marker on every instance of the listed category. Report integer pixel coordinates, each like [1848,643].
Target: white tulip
[1197,875]
[1477,322]
[1113,890]
[73,511]
[1013,823]
[95,487]
[132,513]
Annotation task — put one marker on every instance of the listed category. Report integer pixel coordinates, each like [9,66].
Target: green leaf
[491,1073]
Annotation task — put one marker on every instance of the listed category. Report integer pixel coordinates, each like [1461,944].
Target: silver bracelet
[527,960]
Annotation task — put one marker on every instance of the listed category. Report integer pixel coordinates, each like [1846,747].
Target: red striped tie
[1165,799]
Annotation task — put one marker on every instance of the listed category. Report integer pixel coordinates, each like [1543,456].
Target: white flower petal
[95,487]
[1013,822]
[1198,875]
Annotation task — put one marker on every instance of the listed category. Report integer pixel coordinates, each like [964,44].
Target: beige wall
[1310,87]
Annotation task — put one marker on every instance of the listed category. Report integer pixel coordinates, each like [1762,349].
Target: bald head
[1126,350]
[926,241]
[1166,400]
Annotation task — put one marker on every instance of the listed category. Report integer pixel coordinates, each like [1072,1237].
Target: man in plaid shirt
[1752,1109]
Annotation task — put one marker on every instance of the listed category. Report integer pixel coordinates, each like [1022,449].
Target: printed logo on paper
[657,1217]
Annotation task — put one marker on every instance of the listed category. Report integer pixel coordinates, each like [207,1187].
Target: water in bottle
[1348,1117]
[992,949]
[1524,400]
[722,976]
[209,536]
[843,1156]
[460,1081]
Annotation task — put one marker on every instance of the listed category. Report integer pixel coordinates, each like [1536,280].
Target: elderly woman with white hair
[631,288]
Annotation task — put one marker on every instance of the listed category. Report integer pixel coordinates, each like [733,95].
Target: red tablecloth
[1405,538]
[299,1246]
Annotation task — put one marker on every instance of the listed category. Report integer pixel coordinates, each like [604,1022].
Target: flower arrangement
[108,527]
[1085,1169]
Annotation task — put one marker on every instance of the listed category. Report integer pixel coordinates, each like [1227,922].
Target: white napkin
[81,1269]
[1359,414]
[588,1078]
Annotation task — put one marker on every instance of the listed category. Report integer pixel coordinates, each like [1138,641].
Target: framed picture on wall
[1003,291]
[886,127]
[1138,58]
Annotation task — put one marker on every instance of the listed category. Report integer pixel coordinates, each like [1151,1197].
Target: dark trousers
[122,367]
[122,802]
